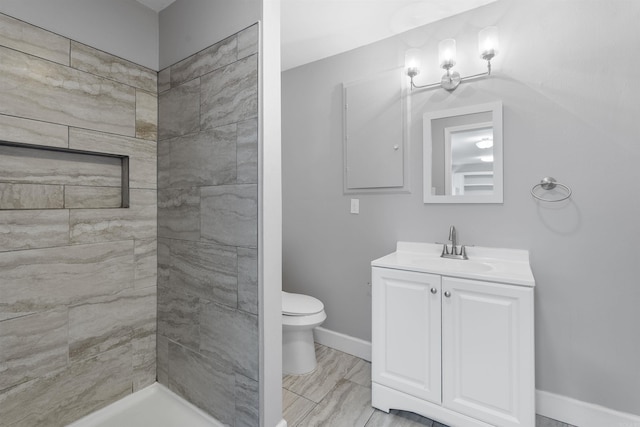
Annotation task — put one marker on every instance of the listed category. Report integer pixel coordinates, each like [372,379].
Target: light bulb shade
[447,53]
[488,43]
[412,62]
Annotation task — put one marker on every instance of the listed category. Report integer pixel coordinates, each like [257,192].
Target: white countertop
[490,264]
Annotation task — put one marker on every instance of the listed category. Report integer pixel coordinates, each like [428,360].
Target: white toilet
[300,314]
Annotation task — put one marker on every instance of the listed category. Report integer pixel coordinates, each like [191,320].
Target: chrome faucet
[453,238]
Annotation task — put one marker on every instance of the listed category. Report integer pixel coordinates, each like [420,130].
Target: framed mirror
[463,154]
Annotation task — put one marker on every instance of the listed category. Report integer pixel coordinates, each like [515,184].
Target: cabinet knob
[447,294]
[434,291]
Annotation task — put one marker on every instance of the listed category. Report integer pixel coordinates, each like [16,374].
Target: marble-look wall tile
[162,359]
[179,110]
[24,131]
[101,225]
[164,262]
[33,229]
[145,263]
[230,214]
[205,61]
[31,196]
[248,280]
[205,270]
[231,335]
[64,95]
[103,64]
[81,197]
[164,163]
[35,41]
[247,402]
[41,279]
[230,94]
[144,362]
[67,395]
[204,158]
[142,154]
[146,116]
[164,80]
[179,317]
[207,383]
[32,346]
[101,324]
[32,166]
[248,41]
[179,213]
[248,152]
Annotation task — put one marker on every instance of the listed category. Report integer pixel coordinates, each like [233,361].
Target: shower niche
[43,177]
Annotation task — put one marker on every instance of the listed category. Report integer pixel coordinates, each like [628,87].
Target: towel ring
[549,183]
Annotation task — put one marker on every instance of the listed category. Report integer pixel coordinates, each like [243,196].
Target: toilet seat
[300,305]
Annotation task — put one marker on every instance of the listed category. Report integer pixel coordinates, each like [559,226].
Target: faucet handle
[463,252]
[445,249]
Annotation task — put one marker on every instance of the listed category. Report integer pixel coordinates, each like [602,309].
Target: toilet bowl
[300,314]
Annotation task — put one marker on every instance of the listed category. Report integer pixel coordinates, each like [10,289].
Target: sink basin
[497,265]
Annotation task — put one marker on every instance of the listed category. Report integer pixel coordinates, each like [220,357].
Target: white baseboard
[581,414]
[345,343]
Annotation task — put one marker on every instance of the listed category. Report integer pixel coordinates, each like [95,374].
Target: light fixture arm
[449,80]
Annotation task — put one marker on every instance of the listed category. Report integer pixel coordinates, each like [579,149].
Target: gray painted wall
[570,111]
[124,28]
[188,26]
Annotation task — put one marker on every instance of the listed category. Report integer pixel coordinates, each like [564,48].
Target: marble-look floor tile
[230,335]
[139,221]
[33,40]
[205,61]
[31,196]
[360,373]
[66,96]
[247,395]
[142,154]
[208,383]
[204,158]
[230,94]
[145,263]
[33,229]
[549,422]
[399,419]
[204,270]
[295,408]
[103,64]
[16,129]
[146,116]
[333,365]
[30,276]
[67,395]
[179,110]
[179,317]
[80,197]
[179,213]
[248,280]
[347,405]
[230,214]
[32,346]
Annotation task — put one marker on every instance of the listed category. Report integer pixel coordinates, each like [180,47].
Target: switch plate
[355,206]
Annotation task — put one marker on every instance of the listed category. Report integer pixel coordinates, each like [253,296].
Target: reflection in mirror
[463,155]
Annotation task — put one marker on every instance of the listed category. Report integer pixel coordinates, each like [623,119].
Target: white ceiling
[316,29]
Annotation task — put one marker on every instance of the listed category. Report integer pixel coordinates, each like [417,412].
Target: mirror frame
[498,171]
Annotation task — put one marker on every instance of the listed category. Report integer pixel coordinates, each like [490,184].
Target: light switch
[355,206]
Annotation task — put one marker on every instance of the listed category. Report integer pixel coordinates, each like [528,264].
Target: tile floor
[338,394]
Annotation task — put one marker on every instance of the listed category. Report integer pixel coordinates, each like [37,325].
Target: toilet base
[298,351]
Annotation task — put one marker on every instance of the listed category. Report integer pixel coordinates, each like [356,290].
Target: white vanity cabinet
[455,349]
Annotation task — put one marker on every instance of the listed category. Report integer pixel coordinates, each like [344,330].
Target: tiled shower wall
[208,229]
[77,286]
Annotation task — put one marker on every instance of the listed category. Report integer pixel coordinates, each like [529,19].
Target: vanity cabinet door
[487,351]
[406,332]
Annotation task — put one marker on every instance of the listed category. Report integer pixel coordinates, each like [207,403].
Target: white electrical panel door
[487,351]
[374,131]
[406,332]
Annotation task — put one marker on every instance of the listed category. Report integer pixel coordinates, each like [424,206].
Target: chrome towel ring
[549,183]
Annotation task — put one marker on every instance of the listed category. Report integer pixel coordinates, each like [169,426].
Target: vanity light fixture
[485,143]
[487,46]
[486,159]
